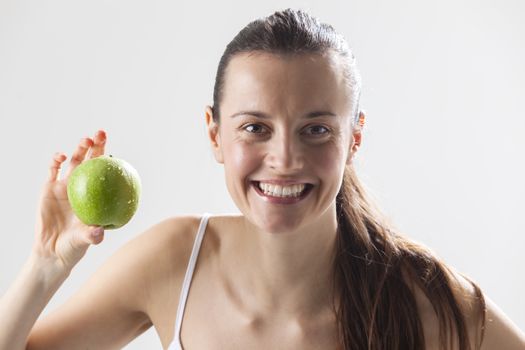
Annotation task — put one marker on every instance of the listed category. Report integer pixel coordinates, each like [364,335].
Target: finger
[83,238]
[79,155]
[96,236]
[99,144]
[56,163]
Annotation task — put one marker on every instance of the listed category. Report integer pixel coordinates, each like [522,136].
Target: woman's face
[270,130]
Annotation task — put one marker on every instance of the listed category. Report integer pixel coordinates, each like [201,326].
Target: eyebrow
[263,115]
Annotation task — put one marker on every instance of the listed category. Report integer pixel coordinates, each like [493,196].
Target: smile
[283,196]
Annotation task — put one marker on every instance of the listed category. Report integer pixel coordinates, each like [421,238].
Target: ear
[356,137]
[214,135]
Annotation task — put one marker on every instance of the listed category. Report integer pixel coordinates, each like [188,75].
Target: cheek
[328,155]
[241,159]
[329,161]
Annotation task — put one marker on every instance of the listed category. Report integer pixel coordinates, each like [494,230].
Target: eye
[258,129]
[317,128]
[253,126]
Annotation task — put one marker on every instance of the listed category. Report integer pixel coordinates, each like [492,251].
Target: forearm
[25,299]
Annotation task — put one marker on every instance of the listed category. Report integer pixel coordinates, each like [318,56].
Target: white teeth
[282,191]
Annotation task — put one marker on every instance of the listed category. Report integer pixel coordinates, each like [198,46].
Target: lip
[282,200]
[284,182]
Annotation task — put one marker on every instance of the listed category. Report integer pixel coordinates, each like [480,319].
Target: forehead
[276,83]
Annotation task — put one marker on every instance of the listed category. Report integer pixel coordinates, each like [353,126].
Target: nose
[285,154]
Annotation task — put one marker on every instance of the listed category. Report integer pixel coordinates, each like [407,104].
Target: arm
[109,309]
[25,299]
[61,240]
[107,312]
[113,306]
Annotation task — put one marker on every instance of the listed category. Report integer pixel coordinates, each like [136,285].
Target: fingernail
[97,233]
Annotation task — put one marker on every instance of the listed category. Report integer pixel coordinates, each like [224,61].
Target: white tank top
[176,342]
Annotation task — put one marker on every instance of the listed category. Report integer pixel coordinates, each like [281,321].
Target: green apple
[104,191]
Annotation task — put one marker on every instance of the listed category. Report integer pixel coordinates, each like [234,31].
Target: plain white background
[442,153]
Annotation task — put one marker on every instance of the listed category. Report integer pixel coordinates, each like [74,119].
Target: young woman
[309,264]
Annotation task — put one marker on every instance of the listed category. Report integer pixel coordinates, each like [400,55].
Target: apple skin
[104,191]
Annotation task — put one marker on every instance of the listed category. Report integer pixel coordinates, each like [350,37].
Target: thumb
[95,235]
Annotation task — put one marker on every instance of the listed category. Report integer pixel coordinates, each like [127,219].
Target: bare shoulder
[168,236]
[175,238]
[499,332]
[165,248]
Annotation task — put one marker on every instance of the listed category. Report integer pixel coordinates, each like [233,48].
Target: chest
[211,322]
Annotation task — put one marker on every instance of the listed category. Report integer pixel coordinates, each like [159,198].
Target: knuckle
[57,160]
[84,144]
[77,158]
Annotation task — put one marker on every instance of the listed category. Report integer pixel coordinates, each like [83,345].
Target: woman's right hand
[60,237]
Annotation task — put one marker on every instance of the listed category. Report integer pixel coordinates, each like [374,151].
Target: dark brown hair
[374,264]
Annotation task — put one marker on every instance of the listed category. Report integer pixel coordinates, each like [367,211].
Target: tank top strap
[176,342]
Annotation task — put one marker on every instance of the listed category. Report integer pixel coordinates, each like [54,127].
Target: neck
[288,274]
